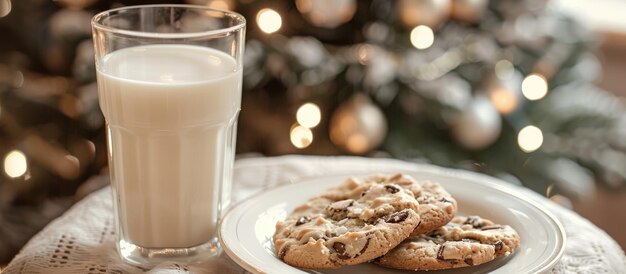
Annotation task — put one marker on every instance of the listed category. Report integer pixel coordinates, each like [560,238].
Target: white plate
[246,231]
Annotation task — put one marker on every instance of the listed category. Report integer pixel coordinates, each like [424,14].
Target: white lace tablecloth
[82,240]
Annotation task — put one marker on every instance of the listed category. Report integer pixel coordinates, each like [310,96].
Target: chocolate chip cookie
[437,207]
[329,232]
[465,241]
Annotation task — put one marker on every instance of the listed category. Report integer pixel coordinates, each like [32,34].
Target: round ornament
[358,125]
[423,12]
[327,13]
[478,126]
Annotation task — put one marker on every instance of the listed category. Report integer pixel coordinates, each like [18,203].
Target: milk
[171,112]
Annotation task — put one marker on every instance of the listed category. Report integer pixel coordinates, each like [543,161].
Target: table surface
[82,240]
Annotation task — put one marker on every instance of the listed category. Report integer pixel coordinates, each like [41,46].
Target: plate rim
[474,177]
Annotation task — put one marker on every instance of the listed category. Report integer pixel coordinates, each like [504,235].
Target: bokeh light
[363,53]
[269,20]
[301,137]
[504,69]
[534,87]
[15,164]
[504,100]
[309,115]
[422,37]
[530,138]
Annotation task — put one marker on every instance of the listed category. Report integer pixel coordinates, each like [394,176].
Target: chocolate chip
[364,193]
[491,227]
[339,247]
[283,251]
[444,200]
[440,252]
[303,220]
[341,250]
[498,246]
[397,217]
[469,261]
[392,189]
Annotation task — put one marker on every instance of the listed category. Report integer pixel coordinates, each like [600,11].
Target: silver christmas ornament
[479,125]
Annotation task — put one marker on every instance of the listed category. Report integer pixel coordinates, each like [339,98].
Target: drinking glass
[169,85]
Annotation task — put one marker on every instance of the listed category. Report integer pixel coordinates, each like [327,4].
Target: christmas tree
[501,87]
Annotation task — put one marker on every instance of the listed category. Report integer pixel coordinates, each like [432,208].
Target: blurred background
[530,91]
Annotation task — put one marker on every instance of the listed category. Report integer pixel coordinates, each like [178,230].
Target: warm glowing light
[530,138]
[309,115]
[534,87]
[363,54]
[269,20]
[15,164]
[504,69]
[505,101]
[422,37]
[300,136]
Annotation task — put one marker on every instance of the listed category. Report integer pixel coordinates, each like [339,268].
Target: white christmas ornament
[479,125]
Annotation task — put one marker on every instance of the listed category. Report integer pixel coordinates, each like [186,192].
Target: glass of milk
[169,84]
